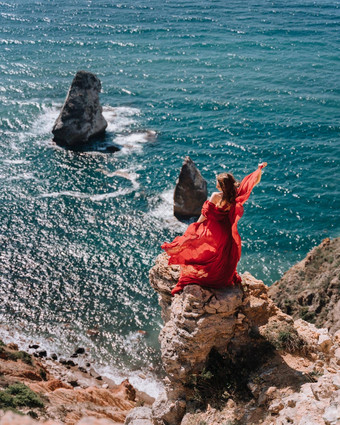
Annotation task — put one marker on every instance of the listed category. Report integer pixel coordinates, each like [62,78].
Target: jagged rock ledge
[288,368]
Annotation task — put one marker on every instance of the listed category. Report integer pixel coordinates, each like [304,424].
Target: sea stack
[81,116]
[190,191]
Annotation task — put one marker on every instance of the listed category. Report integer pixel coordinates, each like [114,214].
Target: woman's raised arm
[248,183]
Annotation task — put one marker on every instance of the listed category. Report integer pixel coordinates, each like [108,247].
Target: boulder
[81,116]
[139,416]
[190,191]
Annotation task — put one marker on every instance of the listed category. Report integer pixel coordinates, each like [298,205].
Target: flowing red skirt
[208,252]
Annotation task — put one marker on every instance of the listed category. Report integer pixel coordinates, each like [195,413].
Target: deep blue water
[230,84]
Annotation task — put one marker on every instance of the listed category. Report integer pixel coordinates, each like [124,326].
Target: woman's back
[217,199]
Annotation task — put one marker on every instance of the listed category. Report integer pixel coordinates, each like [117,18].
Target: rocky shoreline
[66,392]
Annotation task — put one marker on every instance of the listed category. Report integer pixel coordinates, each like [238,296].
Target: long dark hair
[229,187]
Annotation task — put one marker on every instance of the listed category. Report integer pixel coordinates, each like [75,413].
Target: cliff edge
[233,356]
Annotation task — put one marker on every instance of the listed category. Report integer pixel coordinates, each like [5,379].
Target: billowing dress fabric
[208,252]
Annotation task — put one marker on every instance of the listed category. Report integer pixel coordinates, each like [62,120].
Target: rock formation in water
[60,393]
[233,355]
[190,191]
[311,289]
[81,116]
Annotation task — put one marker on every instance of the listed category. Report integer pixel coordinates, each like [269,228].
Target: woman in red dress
[209,250]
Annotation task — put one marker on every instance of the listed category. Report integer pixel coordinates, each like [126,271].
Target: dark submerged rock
[34,346]
[190,191]
[81,116]
[82,369]
[112,148]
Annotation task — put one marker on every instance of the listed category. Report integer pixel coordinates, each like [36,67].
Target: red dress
[208,252]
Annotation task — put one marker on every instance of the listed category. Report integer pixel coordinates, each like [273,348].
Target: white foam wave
[164,211]
[102,197]
[134,141]
[20,177]
[96,197]
[15,161]
[126,91]
[125,173]
[143,381]
[44,123]
[120,121]
[121,118]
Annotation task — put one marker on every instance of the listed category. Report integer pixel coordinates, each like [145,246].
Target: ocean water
[230,84]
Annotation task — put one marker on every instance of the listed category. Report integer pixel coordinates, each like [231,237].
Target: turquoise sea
[229,83]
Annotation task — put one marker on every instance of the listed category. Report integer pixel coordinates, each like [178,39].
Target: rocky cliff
[311,289]
[233,355]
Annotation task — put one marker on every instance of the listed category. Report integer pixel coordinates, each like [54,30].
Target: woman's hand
[262,165]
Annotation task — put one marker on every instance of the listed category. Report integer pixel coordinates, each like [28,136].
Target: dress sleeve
[247,185]
[206,208]
[243,193]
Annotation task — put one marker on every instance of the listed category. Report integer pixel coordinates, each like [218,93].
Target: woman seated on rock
[209,250]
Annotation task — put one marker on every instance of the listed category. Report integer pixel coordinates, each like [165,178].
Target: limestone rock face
[200,319]
[197,321]
[190,191]
[298,383]
[81,116]
[139,416]
[311,289]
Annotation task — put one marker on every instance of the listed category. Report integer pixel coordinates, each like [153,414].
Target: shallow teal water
[231,85]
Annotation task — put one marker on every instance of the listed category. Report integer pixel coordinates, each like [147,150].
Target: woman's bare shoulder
[215,197]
